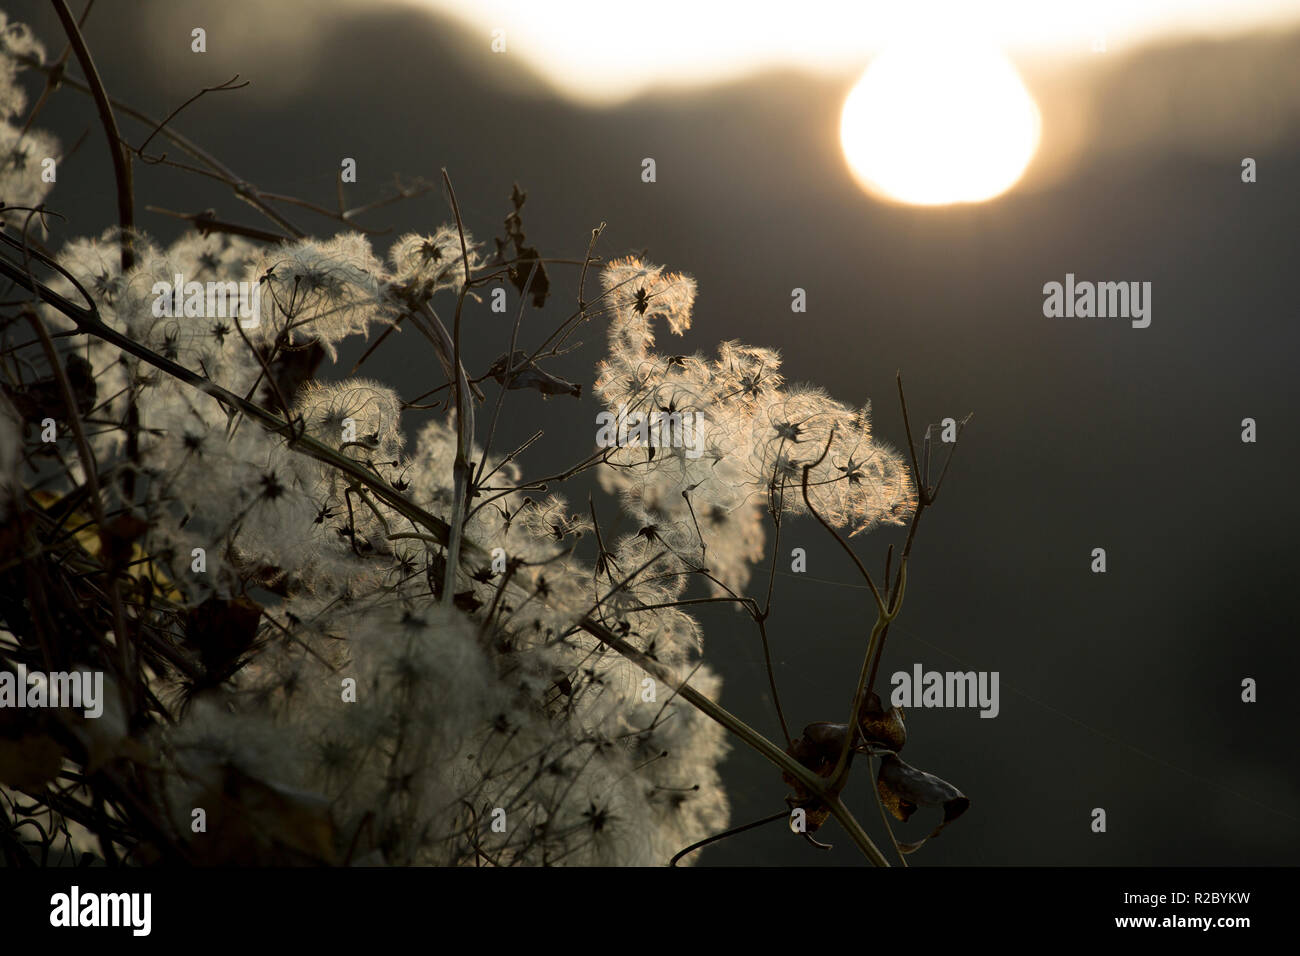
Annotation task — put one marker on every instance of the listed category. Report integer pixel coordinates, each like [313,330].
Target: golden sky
[607,51]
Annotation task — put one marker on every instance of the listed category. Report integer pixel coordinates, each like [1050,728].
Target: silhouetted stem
[121,162]
[815,784]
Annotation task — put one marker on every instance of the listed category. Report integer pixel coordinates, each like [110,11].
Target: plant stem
[121,161]
[752,738]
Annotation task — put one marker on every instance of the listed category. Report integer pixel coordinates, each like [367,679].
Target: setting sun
[939,123]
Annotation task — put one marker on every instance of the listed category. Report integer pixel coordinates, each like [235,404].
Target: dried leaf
[881,726]
[118,540]
[818,750]
[222,631]
[541,284]
[30,761]
[903,788]
[528,261]
[261,822]
[525,374]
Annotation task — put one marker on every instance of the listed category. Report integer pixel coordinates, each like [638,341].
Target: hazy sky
[602,52]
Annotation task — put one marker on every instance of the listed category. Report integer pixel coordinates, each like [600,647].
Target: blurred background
[1120,136]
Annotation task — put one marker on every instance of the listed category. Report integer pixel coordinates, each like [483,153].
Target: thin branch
[752,825]
[176,112]
[464,416]
[121,161]
[205,222]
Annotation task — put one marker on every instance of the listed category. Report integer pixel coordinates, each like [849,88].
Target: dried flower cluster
[456,712]
[757,436]
[298,672]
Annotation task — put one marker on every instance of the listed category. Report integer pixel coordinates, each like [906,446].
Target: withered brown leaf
[903,788]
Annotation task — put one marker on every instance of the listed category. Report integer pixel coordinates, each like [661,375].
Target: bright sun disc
[938,124]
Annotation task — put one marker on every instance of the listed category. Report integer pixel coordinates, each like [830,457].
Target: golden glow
[605,51]
[937,123]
